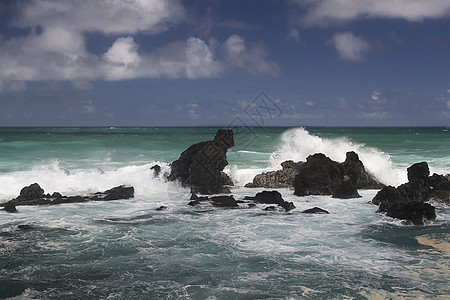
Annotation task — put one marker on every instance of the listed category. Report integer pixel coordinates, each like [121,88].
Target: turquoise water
[127,250]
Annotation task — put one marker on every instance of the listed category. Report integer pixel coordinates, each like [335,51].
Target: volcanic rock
[201,164]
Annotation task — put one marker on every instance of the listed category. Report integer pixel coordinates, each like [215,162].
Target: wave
[54,178]
[297,144]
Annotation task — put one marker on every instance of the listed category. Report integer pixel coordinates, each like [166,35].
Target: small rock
[315,210]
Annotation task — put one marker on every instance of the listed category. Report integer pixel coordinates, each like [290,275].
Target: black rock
[346,189]
[201,164]
[116,193]
[418,171]
[10,207]
[387,196]
[315,210]
[271,197]
[354,168]
[317,176]
[224,201]
[416,212]
[30,192]
[161,208]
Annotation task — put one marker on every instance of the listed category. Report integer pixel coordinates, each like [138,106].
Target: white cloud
[253,60]
[55,48]
[325,12]
[349,46]
[106,16]
[378,97]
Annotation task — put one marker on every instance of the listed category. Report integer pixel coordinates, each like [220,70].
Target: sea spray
[52,177]
[297,144]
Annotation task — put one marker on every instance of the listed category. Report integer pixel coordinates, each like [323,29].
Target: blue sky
[200,63]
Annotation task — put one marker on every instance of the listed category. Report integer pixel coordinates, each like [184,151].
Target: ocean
[127,249]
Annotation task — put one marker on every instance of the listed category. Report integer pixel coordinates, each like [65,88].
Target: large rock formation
[34,195]
[201,164]
[407,201]
[320,175]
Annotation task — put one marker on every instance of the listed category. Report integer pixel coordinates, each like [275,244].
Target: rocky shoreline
[200,167]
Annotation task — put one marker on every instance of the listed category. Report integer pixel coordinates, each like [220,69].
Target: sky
[225,63]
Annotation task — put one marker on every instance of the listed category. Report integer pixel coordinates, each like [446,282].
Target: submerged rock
[200,165]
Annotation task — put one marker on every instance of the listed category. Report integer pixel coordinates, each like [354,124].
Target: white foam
[297,144]
[53,178]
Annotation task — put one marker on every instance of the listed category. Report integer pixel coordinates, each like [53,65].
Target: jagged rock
[277,179]
[224,201]
[418,213]
[116,193]
[387,196]
[354,168]
[346,189]
[317,176]
[33,191]
[418,171]
[407,201]
[315,210]
[226,180]
[201,164]
[271,197]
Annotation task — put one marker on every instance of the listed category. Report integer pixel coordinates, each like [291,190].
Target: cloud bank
[55,47]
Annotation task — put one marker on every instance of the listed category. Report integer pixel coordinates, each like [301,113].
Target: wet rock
[317,176]
[33,191]
[10,207]
[315,210]
[418,213]
[271,197]
[161,208]
[27,194]
[116,193]
[224,201]
[418,171]
[201,164]
[346,189]
[226,180]
[407,201]
[277,179]
[354,168]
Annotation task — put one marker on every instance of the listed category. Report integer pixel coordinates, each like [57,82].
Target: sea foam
[297,144]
